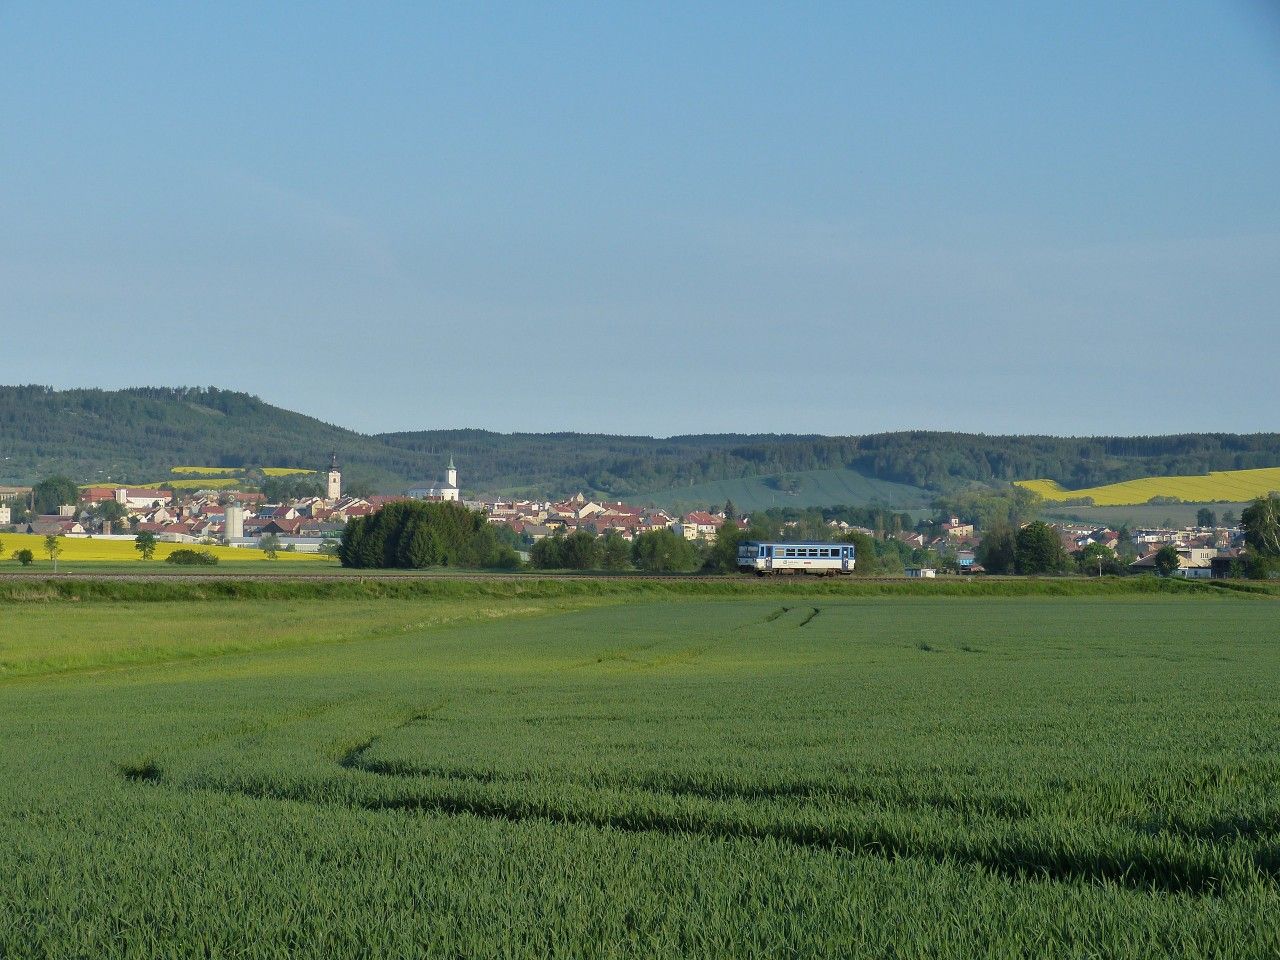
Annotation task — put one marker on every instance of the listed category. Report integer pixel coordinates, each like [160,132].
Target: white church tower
[333,490]
[451,474]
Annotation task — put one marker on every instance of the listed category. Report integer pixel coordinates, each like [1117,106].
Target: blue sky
[653,219]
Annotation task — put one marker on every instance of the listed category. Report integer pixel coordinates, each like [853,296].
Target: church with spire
[432,490]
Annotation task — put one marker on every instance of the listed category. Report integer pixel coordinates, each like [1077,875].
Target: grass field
[817,488]
[535,769]
[1140,515]
[77,550]
[1225,485]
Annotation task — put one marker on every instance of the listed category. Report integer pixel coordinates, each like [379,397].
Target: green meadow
[532,768]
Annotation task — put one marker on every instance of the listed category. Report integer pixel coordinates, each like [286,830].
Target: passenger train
[824,559]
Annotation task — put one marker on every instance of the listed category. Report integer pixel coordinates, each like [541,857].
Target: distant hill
[139,434]
[808,488]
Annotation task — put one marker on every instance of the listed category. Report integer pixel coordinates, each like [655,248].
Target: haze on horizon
[681,219]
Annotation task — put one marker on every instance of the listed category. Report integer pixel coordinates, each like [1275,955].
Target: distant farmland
[1225,485]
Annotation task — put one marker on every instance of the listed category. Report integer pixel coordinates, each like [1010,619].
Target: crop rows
[698,777]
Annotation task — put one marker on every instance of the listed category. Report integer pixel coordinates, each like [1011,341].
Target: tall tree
[270,545]
[997,551]
[53,547]
[546,555]
[418,548]
[53,492]
[1206,518]
[1038,551]
[1166,560]
[145,544]
[865,561]
[1261,521]
[723,555]
[615,553]
[580,551]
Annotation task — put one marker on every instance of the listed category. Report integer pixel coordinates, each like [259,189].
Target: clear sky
[653,218]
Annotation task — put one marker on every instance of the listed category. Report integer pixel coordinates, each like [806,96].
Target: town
[314,524]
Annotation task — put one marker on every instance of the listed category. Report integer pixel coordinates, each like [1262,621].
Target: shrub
[24,557]
[192,558]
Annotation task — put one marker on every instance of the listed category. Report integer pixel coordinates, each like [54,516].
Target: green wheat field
[509,770]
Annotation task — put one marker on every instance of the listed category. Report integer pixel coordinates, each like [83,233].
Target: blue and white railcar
[765,558]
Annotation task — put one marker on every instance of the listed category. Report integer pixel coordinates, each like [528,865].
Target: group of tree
[655,551]
[414,535]
[53,492]
[1034,549]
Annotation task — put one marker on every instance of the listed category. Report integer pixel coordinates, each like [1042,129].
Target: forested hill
[138,434]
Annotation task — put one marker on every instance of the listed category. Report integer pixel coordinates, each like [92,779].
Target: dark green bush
[191,558]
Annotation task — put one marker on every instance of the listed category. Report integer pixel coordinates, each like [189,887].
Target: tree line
[136,435]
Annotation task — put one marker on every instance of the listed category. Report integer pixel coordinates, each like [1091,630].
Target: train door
[768,556]
[844,558]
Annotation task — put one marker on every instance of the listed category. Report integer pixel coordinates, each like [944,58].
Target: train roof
[803,543]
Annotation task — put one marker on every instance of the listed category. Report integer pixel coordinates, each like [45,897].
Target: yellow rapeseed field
[1233,485]
[230,472]
[205,483]
[93,548]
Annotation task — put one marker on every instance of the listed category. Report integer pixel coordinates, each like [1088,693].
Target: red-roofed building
[699,525]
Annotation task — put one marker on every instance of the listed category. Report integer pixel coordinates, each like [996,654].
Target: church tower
[451,474]
[334,485]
